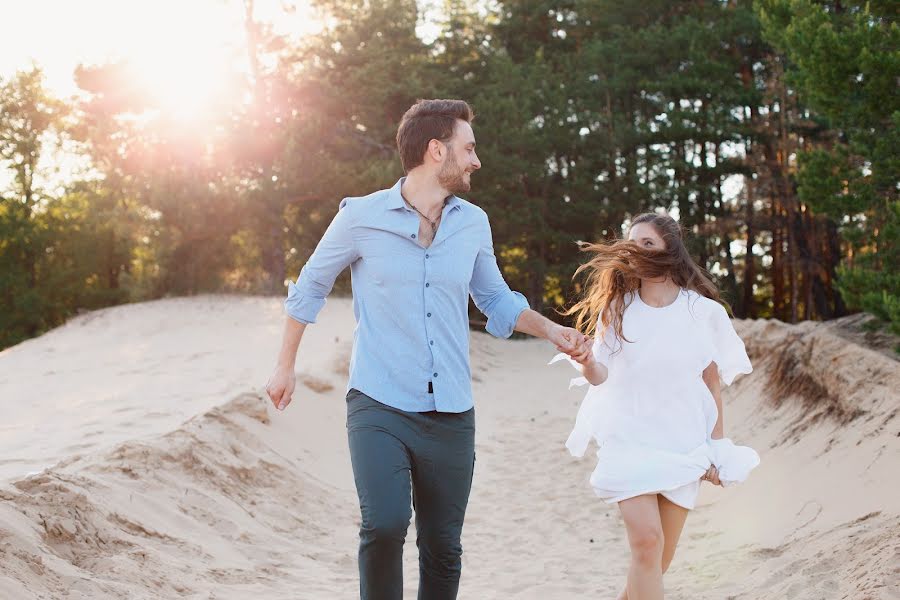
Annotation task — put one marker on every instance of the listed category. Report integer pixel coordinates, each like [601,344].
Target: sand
[139,460]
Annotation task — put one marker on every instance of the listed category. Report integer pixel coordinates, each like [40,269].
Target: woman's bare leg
[645,537]
[672,518]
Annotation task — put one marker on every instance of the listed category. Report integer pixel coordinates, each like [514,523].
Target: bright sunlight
[185,56]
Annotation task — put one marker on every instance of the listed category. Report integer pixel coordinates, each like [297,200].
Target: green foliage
[873,291]
[62,259]
[588,112]
[846,62]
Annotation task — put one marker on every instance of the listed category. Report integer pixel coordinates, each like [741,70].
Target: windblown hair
[617,267]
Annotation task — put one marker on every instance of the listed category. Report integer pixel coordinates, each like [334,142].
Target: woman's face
[645,236]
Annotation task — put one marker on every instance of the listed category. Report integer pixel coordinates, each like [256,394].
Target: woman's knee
[647,546]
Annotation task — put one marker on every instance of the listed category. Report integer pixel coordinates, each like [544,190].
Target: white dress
[654,415]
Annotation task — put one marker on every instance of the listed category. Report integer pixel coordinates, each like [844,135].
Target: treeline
[770,127]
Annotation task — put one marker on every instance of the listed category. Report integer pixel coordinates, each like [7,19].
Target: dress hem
[630,495]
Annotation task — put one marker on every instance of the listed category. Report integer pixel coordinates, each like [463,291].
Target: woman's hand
[566,339]
[712,476]
[595,372]
[584,353]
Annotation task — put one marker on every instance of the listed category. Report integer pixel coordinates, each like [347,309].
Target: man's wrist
[286,364]
[550,328]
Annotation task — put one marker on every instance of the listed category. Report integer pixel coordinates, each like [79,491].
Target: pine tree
[845,60]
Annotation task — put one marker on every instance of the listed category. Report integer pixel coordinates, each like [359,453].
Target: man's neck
[424,192]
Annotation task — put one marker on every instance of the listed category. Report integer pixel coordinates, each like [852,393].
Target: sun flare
[185,80]
[186,58]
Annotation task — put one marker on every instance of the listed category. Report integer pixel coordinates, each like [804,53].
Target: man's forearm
[290,341]
[534,323]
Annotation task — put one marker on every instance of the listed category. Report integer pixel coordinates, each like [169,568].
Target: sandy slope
[158,472]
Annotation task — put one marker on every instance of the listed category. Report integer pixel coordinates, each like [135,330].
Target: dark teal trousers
[401,457]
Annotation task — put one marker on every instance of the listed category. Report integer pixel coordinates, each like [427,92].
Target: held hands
[280,387]
[580,349]
[584,354]
[574,343]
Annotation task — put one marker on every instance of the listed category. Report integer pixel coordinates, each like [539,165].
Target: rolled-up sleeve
[333,254]
[491,294]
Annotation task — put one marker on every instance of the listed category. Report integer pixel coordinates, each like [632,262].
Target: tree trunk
[777,261]
[834,254]
[749,306]
[274,259]
[787,193]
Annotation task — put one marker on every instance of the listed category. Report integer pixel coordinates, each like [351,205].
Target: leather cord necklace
[434,223]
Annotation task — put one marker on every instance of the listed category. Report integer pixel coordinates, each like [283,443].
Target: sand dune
[138,460]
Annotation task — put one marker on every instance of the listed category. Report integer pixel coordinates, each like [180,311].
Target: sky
[185,51]
[163,37]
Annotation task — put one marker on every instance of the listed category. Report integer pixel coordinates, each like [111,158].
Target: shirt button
[435,374]
[429,314]
[413,236]
[427,256]
[427,285]
[431,342]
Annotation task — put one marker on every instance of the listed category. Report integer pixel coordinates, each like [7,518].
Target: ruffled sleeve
[729,352]
[604,346]
[733,462]
[588,413]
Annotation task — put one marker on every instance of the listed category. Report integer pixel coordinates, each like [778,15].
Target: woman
[664,345]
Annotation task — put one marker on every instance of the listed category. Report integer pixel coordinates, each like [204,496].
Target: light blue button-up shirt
[410,302]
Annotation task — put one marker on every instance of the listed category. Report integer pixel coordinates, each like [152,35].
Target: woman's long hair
[617,268]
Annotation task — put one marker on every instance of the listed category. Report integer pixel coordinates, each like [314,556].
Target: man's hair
[428,120]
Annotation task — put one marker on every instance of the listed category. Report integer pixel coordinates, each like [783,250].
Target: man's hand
[280,387]
[584,354]
[566,340]
[581,349]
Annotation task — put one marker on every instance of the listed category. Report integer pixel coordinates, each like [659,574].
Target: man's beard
[452,177]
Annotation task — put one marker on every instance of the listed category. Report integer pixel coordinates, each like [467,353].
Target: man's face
[456,171]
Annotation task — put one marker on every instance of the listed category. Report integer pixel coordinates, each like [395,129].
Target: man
[416,252]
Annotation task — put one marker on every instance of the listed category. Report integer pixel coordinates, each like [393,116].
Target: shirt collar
[395,198]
